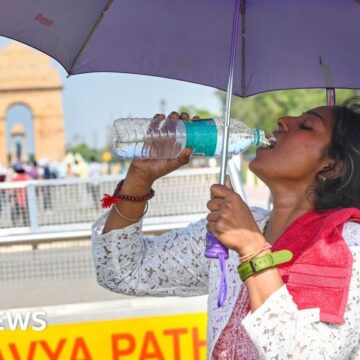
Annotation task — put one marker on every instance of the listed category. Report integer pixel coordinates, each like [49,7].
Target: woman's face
[300,150]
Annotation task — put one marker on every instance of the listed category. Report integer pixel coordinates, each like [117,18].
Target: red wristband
[109,200]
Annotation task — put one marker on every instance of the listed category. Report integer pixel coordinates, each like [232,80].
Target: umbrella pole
[330,96]
[239,4]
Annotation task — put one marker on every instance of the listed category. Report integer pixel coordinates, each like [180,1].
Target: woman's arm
[141,175]
[280,330]
[129,263]
[171,264]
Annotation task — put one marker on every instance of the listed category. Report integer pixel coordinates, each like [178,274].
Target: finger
[182,159]
[210,226]
[213,227]
[219,191]
[185,155]
[213,216]
[214,204]
[228,183]
[186,152]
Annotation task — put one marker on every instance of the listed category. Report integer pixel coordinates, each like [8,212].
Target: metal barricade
[45,251]
[63,204]
[39,271]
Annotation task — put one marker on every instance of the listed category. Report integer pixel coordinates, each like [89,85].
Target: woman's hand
[231,221]
[148,170]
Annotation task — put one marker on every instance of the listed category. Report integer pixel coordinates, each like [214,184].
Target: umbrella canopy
[282,44]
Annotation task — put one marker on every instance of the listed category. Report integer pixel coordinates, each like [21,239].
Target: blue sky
[93,101]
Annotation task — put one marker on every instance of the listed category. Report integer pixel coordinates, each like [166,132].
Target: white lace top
[174,264]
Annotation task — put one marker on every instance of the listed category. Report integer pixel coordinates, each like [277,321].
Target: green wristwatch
[260,263]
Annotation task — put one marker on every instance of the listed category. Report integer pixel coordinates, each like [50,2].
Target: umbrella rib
[243,57]
[96,24]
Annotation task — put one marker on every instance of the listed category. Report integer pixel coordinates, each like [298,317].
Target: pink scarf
[319,274]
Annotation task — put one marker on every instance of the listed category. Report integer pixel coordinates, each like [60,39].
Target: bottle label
[257,137]
[201,136]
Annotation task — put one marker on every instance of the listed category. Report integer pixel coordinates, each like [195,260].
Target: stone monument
[27,78]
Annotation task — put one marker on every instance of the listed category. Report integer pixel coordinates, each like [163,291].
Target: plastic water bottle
[164,139]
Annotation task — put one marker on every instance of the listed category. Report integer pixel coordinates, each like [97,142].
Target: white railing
[66,208]
[50,210]
[45,254]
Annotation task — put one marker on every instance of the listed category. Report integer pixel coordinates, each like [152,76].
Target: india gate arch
[19,132]
[27,78]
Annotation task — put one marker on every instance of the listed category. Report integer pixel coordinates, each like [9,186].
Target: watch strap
[257,264]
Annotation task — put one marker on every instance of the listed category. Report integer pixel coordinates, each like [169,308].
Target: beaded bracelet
[250,256]
[109,200]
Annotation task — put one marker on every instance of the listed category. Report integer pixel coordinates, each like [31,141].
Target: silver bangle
[130,219]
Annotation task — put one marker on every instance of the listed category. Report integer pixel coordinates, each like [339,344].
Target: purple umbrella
[281,44]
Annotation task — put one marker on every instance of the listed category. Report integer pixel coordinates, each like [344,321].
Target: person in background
[76,171]
[33,170]
[159,116]
[184,116]
[94,172]
[19,173]
[195,117]
[68,172]
[3,174]
[19,203]
[174,115]
[45,189]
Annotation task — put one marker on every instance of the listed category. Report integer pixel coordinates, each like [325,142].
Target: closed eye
[305,127]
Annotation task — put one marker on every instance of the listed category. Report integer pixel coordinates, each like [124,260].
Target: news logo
[17,320]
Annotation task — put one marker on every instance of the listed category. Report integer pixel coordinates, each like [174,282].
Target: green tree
[192,111]
[263,110]
[85,151]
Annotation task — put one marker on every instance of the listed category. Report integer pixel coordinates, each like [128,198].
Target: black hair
[184,113]
[343,189]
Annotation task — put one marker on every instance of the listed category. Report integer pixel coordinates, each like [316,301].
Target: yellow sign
[174,337]
[106,156]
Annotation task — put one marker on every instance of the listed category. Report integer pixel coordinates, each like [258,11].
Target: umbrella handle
[216,250]
[223,282]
